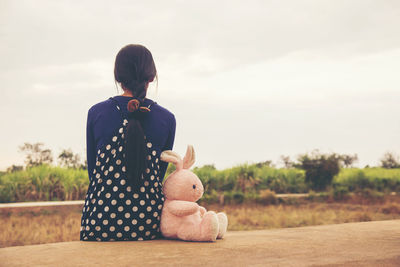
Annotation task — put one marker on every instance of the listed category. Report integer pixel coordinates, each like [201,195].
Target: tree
[246,178]
[287,162]
[320,169]
[68,159]
[267,163]
[348,160]
[390,161]
[84,165]
[36,154]
[15,168]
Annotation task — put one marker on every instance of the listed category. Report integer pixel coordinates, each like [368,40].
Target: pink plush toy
[181,217]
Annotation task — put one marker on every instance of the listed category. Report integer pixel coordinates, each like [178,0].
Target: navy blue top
[104,118]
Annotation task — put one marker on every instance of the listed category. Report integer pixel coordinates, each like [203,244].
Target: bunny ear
[189,158]
[171,156]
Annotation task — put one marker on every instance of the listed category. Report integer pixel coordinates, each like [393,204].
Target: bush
[340,193]
[371,194]
[211,198]
[238,197]
[320,169]
[312,195]
[267,197]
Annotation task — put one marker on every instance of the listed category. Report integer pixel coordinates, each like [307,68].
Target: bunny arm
[202,211]
[182,208]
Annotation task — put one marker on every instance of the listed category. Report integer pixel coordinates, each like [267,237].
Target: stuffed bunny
[181,217]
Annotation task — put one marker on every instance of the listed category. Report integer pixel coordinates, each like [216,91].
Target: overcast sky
[248,81]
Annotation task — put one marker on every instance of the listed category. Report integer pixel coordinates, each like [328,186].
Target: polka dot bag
[112,211]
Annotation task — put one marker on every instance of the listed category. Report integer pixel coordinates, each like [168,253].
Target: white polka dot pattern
[113,209]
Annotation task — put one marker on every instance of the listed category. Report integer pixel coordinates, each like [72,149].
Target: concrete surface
[35,204]
[351,244]
[41,204]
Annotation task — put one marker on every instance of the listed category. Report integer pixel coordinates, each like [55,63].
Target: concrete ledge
[82,202]
[351,244]
[41,204]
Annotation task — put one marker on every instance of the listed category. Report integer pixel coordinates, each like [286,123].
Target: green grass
[44,183]
[247,178]
[242,183]
[379,179]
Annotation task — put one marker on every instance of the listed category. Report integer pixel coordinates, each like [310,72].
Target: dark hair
[134,68]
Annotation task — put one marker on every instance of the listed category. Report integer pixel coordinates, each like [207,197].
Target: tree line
[37,154]
[320,169]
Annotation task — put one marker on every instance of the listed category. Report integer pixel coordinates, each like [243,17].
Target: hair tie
[144,109]
[133,105]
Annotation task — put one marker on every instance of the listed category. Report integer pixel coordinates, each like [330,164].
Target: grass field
[42,183]
[57,224]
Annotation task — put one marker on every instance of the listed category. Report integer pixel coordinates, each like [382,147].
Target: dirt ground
[351,244]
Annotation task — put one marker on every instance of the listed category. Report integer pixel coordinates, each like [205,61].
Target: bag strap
[116,103]
[120,111]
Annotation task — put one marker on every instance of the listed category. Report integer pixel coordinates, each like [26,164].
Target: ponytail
[136,152]
[134,69]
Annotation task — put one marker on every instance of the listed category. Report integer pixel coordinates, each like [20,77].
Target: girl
[125,137]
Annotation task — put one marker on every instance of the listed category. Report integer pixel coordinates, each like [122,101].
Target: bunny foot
[209,226]
[223,224]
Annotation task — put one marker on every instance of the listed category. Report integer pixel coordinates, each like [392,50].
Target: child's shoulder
[102,106]
[163,112]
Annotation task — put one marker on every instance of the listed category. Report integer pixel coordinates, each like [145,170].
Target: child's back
[114,210]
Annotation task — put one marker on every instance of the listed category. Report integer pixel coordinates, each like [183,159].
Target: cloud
[67,79]
[35,33]
[263,77]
